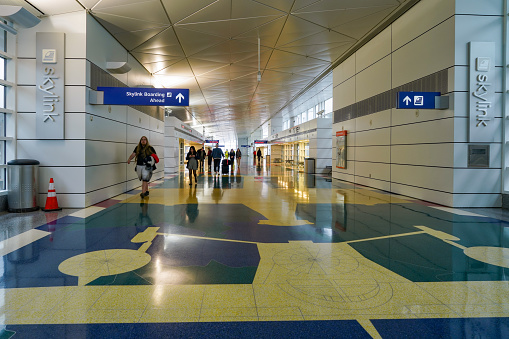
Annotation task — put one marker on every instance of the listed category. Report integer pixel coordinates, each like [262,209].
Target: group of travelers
[217,154]
[146,158]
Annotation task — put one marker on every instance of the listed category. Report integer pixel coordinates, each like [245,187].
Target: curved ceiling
[211,47]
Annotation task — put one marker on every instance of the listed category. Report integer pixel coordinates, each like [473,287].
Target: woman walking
[145,163]
[192,165]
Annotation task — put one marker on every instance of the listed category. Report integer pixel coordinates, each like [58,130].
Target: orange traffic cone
[51,200]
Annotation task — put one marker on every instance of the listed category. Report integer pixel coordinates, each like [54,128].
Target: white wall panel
[437,131]
[103,152]
[67,179]
[97,177]
[436,155]
[492,7]
[26,125]
[420,18]
[373,137]
[477,180]
[412,116]
[342,176]
[438,197]
[138,119]
[477,200]
[477,28]
[373,121]
[26,71]
[98,128]
[76,72]
[373,170]
[324,143]
[53,152]
[65,200]
[104,193]
[435,178]
[373,154]
[371,182]
[376,49]
[156,125]
[74,125]
[156,139]
[431,52]
[344,94]
[75,97]
[26,99]
[112,112]
[373,80]
[344,71]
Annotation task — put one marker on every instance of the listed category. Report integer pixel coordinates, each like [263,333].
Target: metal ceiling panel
[193,42]
[282,5]
[211,47]
[331,5]
[48,6]
[219,10]
[131,40]
[164,42]
[229,28]
[335,18]
[360,27]
[112,3]
[118,24]
[179,10]
[149,11]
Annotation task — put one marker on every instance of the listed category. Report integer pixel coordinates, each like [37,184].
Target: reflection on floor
[257,253]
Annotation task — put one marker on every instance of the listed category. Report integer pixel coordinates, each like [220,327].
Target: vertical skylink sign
[481,92]
[49,106]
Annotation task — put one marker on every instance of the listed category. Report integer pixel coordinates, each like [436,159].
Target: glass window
[304,117]
[328,106]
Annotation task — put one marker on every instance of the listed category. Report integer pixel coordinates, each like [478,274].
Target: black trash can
[23,185]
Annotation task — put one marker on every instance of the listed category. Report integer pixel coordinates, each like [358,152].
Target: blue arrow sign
[421,100]
[135,96]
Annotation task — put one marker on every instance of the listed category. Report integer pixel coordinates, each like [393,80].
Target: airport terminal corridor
[261,252]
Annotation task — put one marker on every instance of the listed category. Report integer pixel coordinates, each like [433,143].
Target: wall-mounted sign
[50,75]
[481,92]
[135,96]
[341,149]
[212,141]
[419,100]
[258,142]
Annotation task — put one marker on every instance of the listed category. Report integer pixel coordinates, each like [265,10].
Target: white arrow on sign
[180,97]
[407,100]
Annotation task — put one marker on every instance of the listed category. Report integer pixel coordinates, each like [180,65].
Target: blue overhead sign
[422,100]
[135,96]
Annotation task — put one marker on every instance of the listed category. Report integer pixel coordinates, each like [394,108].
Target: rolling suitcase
[224,166]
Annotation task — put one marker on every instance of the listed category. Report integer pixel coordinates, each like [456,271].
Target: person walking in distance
[259,154]
[209,159]
[217,154]
[192,164]
[145,163]
[201,157]
[238,155]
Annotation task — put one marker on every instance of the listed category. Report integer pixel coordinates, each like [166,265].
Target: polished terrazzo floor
[264,252]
